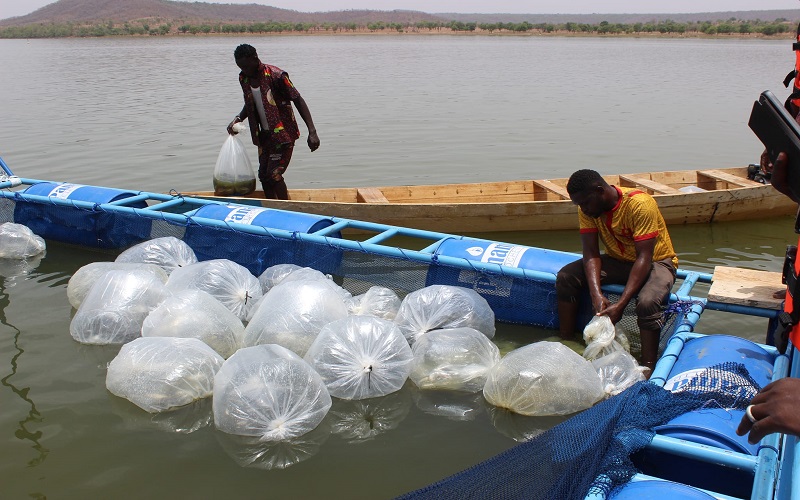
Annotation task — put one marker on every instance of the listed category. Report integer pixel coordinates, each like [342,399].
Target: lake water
[150,114]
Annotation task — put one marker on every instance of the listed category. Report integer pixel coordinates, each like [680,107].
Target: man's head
[591,192]
[247,59]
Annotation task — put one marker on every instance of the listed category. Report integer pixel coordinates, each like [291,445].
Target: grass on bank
[157,27]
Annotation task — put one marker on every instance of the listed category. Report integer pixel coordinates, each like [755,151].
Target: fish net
[593,452]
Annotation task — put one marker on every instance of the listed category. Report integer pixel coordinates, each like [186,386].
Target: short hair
[584,181]
[244,50]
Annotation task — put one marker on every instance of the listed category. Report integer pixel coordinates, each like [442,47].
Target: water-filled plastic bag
[196,314]
[225,280]
[168,253]
[116,306]
[233,174]
[270,392]
[544,378]
[361,357]
[19,242]
[81,282]
[378,301]
[292,315]
[453,358]
[157,374]
[444,306]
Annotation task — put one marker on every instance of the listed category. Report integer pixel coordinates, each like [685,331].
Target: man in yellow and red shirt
[639,255]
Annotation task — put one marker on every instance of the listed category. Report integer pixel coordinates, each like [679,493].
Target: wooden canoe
[531,205]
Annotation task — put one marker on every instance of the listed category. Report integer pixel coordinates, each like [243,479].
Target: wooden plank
[655,187]
[371,195]
[729,178]
[748,287]
[487,192]
[553,187]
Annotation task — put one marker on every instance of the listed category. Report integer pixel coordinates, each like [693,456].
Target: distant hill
[743,15]
[120,11]
[166,11]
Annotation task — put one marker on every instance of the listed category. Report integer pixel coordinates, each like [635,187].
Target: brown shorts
[273,160]
[571,281]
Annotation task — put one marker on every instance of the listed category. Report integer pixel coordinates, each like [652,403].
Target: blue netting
[94,228]
[567,461]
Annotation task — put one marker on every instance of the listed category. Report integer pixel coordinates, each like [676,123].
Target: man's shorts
[273,160]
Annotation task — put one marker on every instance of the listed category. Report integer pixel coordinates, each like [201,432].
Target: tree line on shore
[160,28]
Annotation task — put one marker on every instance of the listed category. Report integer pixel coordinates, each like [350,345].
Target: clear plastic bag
[602,338]
[454,358]
[81,282]
[284,273]
[309,274]
[157,374]
[379,301]
[116,306]
[544,378]
[292,314]
[19,242]
[269,392]
[274,275]
[444,306]
[167,253]
[225,280]
[361,357]
[233,174]
[618,371]
[196,314]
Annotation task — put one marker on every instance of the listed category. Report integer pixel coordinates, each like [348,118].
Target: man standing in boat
[268,94]
[639,255]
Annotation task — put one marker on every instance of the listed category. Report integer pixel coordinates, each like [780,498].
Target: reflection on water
[22,432]
[452,405]
[250,451]
[358,421]
[183,420]
[14,268]
[521,428]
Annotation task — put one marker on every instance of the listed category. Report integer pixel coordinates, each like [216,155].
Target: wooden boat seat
[371,195]
[553,188]
[748,287]
[730,179]
[651,185]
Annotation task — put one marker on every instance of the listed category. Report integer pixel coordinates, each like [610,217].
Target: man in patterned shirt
[639,255]
[268,97]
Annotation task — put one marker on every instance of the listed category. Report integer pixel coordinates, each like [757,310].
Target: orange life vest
[794,75]
[789,303]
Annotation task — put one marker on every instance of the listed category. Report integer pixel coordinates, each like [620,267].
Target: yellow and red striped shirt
[635,217]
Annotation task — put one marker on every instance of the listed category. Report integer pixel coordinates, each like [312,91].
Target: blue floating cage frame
[768,481]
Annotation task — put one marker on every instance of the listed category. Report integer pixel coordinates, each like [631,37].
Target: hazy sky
[9,8]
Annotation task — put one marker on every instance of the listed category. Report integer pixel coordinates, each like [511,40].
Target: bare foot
[780,294]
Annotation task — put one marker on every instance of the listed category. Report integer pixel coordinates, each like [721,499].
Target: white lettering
[63,191]
[243,215]
[504,254]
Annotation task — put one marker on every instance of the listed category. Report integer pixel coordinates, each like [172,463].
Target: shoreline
[413,31]
[367,33]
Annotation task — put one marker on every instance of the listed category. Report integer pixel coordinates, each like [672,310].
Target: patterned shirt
[634,218]
[277,94]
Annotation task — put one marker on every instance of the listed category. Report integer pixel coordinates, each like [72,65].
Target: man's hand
[613,311]
[313,141]
[231,124]
[775,409]
[600,303]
